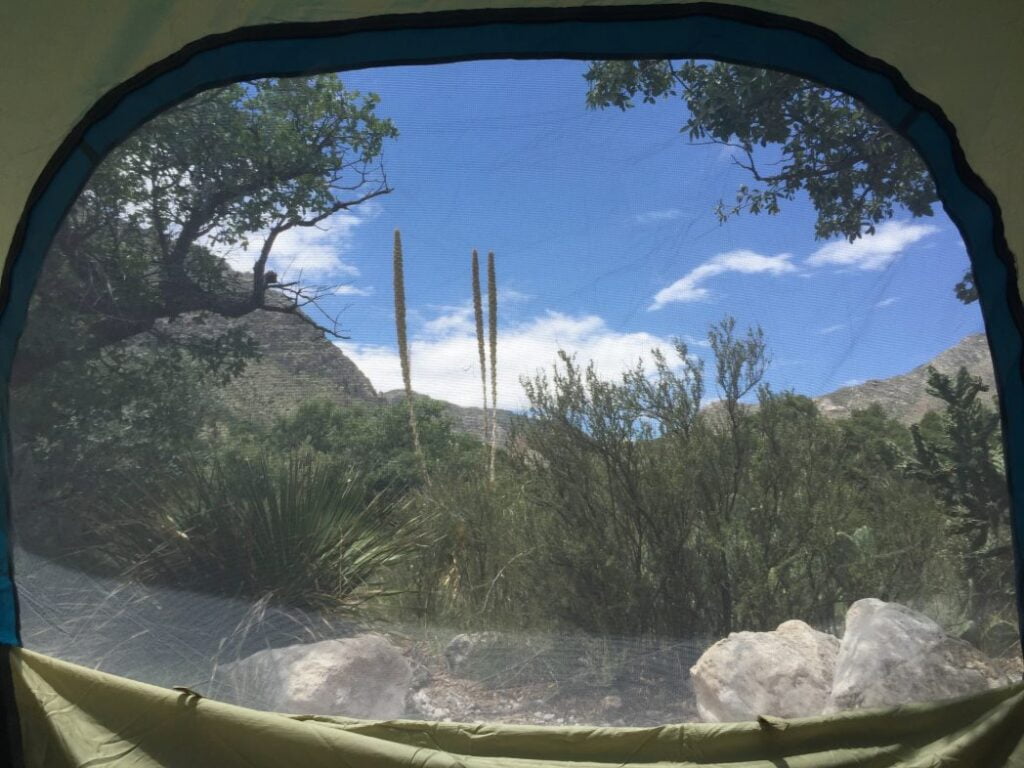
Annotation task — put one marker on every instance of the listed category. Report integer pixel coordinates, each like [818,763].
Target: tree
[116,373]
[959,453]
[260,157]
[856,170]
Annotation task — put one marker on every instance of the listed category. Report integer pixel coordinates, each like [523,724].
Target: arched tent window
[513,573]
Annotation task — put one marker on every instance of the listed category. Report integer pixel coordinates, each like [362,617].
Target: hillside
[297,363]
[905,397]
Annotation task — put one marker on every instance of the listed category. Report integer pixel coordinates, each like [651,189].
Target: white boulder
[361,676]
[785,673]
[891,655]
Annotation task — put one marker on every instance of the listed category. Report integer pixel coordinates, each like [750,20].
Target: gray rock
[785,673]
[893,655]
[611,703]
[362,676]
[905,397]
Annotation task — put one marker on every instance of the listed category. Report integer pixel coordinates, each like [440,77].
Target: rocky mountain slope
[298,363]
[905,397]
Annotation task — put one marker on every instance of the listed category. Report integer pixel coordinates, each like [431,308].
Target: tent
[77,80]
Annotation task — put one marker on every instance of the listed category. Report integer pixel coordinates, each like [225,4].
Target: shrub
[659,515]
[481,571]
[375,437]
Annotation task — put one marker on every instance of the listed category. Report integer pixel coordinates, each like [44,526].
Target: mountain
[297,363]
[905,396]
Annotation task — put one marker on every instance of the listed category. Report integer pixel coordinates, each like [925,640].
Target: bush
[660,515]
[482,571]
[375,437]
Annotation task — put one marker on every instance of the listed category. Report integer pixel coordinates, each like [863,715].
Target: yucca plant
[295,530]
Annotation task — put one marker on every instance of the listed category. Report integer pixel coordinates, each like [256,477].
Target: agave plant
[295,530]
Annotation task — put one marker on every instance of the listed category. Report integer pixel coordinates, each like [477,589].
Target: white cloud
[694,341]
[832,328]
[652,217]
[887,302]
[353,290]
[310,253]
[689,287]
[445,359]
[506,295]
[875,251]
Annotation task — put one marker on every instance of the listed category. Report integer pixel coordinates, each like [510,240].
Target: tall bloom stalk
[478,313]
[403,353]
[492,318]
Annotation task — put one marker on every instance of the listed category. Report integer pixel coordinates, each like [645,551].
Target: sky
[607,245]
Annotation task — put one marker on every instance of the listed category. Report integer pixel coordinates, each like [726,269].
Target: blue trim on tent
[711,31]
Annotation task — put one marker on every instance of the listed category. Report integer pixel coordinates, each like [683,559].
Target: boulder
[361,676]
[893,655]
[785,673]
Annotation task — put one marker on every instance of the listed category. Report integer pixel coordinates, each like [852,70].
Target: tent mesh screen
[541,392]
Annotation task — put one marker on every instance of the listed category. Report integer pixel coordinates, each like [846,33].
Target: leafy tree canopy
[107,383]
[261,157]
[856,170]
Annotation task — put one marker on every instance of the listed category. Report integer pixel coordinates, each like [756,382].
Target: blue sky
[607,244]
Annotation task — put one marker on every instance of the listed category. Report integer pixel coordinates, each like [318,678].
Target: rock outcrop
[296,363]
[893,655]
[361,676]
[785,673]
[905,397]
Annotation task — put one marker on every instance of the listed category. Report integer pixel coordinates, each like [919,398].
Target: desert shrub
[660,515]
[375,438]
[84,428]
[481,570]
[293,529]
[958,452]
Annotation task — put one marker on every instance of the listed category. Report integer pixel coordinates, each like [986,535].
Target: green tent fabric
[72,716]
[965,56]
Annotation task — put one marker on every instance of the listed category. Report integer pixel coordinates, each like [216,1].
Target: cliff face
[905,397]
[296,364]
